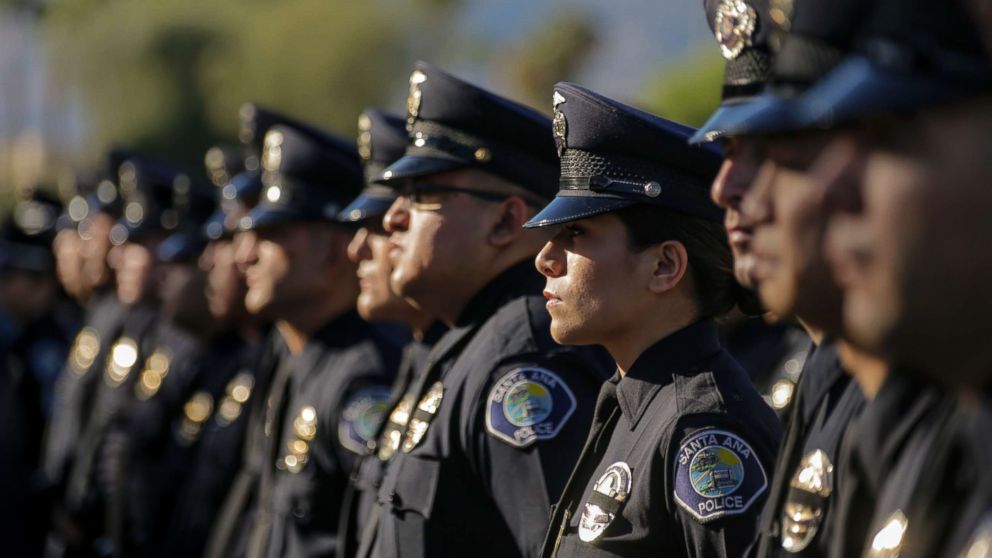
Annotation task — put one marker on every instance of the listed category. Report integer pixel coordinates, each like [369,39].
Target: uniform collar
[681,351]
[889,420]
[518,280]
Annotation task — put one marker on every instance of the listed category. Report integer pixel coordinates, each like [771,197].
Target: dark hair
[710,260]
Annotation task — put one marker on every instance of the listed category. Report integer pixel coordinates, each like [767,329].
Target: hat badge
[417,78]
[559,125]
[735,23]
[272,151]
[365,137]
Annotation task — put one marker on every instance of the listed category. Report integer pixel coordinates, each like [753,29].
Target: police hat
[815,35]
[146,187]
[912,54]
[382,140]
[238,195]
[254,121]
[223,162]
[307,176]
[454,125]
[742,29]
[193,203]
[615,156]
[74,188]
[26,235]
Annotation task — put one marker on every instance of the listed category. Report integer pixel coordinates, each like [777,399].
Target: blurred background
[168,76]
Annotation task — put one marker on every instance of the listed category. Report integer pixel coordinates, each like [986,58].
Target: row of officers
[484,332]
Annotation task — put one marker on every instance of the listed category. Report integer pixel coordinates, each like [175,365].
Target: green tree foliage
[687,91]
[552,52]
[169,75]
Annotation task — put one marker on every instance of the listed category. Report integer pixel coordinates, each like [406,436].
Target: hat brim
[365,207]
[768,114]
[180,247]
[725,117]
[415,166]
[859,89]
[265,217]
[564,209]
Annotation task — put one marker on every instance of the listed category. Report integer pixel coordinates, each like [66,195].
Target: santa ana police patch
[528,404]
[717,474]
[361,417]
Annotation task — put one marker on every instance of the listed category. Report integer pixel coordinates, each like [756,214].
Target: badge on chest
[361,417]
[717,474]
[809,490]
[608,496]
[528,404]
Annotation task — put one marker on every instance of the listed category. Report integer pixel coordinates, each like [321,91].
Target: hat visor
[414,166]
[767,114]
[264,217]
[244,185]
[565,208]
[725,117]
[180,247]
[213,228]
[365,207]
[859,89]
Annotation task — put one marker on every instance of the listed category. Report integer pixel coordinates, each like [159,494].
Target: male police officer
[381,141]
[94,212]
[214,418]
[331,379]
[500,410]
[913,172]
[787,262]
[95,479]
[32,351]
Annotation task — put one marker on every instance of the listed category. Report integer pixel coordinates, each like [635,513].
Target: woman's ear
[509,222]
[670,263]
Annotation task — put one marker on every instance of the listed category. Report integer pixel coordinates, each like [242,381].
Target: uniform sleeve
[716,486]
[526,432]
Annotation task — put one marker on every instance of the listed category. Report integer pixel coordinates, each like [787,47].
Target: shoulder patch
[360,419]
[528,404]
[717,474]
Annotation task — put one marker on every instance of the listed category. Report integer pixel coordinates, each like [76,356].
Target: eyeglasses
[428,197]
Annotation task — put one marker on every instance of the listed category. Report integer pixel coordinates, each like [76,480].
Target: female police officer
[676,461]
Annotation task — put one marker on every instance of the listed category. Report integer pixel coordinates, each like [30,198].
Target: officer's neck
[629,345]
[867,370]
[297,329]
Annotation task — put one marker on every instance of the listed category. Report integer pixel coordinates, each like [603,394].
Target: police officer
[32,351]
[675,464]
[242,194]
[187,345]
[499,410]
[910,166]
[211,427]
[332,377]
[772,353]
[381,141]
[790,268]
[95,480]
[92,213]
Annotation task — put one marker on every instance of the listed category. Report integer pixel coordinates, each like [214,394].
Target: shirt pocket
[416,486]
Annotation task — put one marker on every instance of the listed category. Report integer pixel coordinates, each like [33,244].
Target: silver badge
[559,125]
[195,412]
[417,427]
[272,151]
[652,189]
[801,520]
[150,380]
[84,351]
[417,78]
[615,484]
[887,542]
[364,137]
[735,23]
[123,357]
